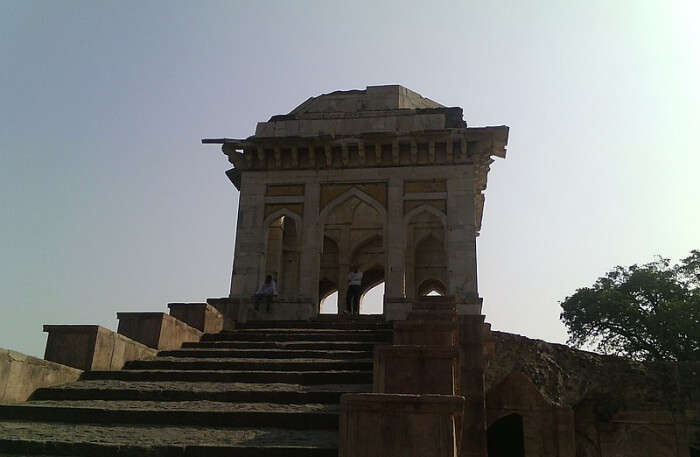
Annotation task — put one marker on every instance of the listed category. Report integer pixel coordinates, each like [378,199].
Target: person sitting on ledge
[266,291]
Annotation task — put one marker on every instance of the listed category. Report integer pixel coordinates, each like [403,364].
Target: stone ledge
[157,330]
[201,316]
[21,375]
[407,403]
[242,309]
[92,347]
[411,351]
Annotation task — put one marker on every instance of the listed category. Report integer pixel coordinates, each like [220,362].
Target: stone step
[255,376]
[363,324]
[197,391]
[258,335]
[270,353]
[288,345]
[263,364]
[209,413]
[53,438]
[303,330]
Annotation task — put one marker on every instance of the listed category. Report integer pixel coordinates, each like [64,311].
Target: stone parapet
[243,309]
[201,316]
[157,330]
[91,347]
[416,369]
[21,375]
[380,425]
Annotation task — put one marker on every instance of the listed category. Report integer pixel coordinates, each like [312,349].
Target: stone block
[396,309]
[426,332]
[201,316]
[91,347]
[21,375]
[380,425]
[157,330]
[416,369]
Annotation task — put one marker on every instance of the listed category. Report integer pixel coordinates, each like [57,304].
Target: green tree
[647,312]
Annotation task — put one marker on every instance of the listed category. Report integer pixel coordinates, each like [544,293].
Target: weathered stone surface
[21,375]
[426,332]
[201,316]
[566,376]
[415,369]
[91,347]
[379,425]
[156,330]
[139,440]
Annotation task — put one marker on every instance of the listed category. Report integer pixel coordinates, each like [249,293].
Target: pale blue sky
[108,201]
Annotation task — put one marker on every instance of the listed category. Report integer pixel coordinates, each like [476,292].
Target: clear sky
[108,201]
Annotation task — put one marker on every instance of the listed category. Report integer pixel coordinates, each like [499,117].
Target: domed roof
[376,109]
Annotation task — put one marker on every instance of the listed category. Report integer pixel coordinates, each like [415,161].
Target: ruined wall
[621,408]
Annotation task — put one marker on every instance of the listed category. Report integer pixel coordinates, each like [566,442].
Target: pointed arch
[287,213]
[432,284]
[352,192]
[282,250]
[427,208]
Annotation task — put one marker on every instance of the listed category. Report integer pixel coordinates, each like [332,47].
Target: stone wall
[21,375]
[619,407]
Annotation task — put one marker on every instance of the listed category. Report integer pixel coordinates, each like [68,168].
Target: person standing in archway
[353,294]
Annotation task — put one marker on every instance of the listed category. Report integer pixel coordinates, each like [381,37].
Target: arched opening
[328,282]
[430,265]
[505,437]
[372,300]
[426,257]
[353,229]
[329,303]
[432,287]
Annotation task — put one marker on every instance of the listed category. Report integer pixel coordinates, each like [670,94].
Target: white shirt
[355,279]
[267,289]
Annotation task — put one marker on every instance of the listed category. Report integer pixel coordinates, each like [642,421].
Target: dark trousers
[260,297]
[353,299]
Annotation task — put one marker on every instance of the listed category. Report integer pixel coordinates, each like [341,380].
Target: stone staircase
[265,389]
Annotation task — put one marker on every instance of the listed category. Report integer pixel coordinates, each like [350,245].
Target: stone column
[344,261]
[461,244]
[250,240]
[310,259]
[395,241]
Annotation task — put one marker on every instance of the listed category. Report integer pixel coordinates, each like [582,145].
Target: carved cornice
[424,148]
[473,145]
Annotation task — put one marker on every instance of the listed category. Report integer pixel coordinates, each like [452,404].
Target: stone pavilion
[382,178]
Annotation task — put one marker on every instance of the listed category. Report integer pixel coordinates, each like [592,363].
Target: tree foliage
[647,312]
